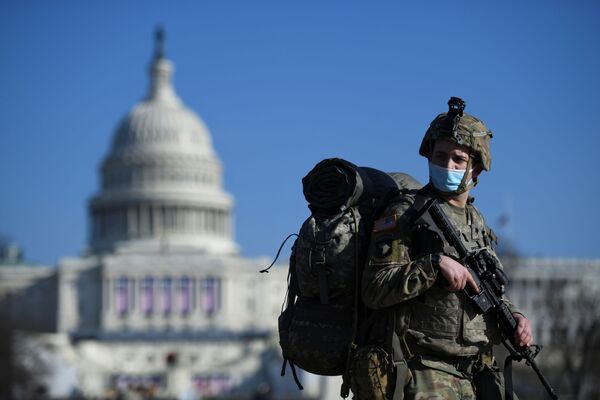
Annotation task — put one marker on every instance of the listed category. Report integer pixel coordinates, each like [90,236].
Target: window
[213,385]
[147,295]
[166,295]
[184,295]
[210,295]
[122,295]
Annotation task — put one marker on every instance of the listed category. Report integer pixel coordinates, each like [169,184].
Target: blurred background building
[162,303]
[561,297]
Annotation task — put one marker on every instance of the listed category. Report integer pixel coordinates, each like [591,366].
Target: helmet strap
[467,181]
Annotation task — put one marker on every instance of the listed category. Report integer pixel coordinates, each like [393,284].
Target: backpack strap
[293,291]
[359,310]
[508,375]
[399,360]
[293,368]
[401,366]
[277,255]
[419,205]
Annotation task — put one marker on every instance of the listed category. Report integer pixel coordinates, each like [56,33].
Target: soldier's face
[450,155]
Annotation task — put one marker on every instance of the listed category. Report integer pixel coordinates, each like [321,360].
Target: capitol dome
[162,184]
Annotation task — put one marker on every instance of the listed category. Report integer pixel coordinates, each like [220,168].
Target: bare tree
[574,348]
[21,368]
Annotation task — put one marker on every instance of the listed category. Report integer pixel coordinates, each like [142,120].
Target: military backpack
[323,309]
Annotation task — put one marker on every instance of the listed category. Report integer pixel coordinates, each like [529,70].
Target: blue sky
[283,84]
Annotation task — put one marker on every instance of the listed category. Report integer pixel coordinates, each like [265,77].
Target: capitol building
[162,299]
[162,303]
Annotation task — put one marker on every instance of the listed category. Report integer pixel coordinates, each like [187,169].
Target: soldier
[410,270]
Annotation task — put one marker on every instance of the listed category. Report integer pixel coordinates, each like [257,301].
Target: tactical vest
[439,320]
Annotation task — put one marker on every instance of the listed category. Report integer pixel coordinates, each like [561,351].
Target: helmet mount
[456,108]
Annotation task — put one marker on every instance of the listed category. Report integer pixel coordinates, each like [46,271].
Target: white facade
[173,320]
[544,287]
[167,294]
[162,298]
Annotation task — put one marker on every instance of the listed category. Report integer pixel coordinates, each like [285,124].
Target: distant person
[414,272]
[263,392]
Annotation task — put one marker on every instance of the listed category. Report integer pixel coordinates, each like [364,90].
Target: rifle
[491,280]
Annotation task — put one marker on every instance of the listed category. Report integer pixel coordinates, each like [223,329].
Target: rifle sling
[508,381]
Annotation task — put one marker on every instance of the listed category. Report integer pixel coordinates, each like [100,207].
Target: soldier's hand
[456,274]
[523,334]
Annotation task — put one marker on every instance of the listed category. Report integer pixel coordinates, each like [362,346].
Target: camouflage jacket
[400,273]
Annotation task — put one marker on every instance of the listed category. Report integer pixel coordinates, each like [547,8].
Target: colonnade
[138,221]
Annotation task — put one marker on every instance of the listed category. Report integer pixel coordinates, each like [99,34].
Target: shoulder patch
[383,248]
[386,223]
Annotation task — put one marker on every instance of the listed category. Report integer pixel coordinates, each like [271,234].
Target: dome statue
[161,184]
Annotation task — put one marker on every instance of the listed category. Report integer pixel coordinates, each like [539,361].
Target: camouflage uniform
[440,328]
[431,384]
[444,340]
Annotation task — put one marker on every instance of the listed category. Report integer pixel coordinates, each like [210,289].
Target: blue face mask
[445,180]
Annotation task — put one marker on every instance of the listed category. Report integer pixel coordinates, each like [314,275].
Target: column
[189,220]
[211,221]
[144,220]
[196,220]
[201,220]
[123,233]
[222,222]
[180,219]
[157,218]
[131,222]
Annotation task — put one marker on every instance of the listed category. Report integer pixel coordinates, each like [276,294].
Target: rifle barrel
[530,361]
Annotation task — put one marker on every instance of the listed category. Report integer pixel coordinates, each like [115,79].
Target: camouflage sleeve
[390,276]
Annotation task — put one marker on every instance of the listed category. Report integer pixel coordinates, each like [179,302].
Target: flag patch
[385,224]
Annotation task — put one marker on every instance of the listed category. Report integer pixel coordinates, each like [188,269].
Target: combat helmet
[463,129]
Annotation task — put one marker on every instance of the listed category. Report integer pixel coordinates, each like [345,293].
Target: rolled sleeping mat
[335,184]
[332,185]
